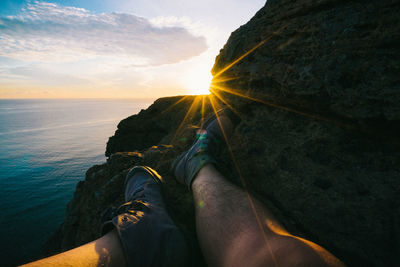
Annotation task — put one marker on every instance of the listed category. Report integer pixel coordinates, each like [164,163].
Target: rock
[319,138]
[320,131]
[150,126]
[333,59]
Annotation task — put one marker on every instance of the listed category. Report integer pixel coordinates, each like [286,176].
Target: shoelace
[132,207]
[207,142]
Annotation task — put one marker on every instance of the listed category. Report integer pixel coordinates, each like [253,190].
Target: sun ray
[174,104]
[235,92]
[289,42]
[220,98]
[285,108]
[249,197]
[249,52]
[225,79]
[216,79]
[202,111]
[192,107]
[190,110]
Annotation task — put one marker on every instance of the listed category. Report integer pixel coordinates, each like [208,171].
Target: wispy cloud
[38,75]
[49,32]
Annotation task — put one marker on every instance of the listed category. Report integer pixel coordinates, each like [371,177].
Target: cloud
[196,28]
[48,32]
[38,75]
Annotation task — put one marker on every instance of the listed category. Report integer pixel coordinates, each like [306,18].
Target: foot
[206,148]
[147,233]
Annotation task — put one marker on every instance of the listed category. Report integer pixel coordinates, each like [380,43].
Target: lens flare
[198,83]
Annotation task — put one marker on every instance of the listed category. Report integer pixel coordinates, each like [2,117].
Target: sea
[46,146]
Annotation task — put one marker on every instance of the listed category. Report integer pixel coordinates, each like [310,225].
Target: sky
[113,48]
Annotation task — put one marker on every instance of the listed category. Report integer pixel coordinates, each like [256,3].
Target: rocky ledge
[316,84]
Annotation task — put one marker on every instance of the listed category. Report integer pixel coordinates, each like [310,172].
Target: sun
[198,83]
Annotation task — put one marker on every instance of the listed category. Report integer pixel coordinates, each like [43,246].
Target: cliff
[166,128]
[316,84]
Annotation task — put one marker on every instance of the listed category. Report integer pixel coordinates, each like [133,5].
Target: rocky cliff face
[316,84]
[154,137]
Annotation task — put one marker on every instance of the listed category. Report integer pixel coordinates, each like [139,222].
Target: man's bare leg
[105,251]
[231,234]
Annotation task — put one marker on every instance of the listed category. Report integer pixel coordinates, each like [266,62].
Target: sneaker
[206,149]
[147,233]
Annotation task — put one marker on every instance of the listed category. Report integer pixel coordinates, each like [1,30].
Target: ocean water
[46,146]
